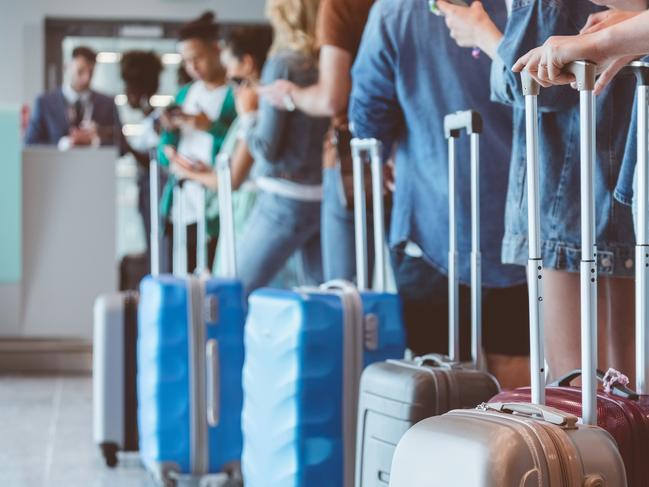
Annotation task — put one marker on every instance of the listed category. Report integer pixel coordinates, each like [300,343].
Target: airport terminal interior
[324,243]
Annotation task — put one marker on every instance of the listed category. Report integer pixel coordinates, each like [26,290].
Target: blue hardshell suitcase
[305,352]
[190,358]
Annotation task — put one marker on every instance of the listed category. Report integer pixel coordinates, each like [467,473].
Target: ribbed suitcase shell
[113,374]
[626,420]
[489,449]
[293,383]
[396,394]
[165,413]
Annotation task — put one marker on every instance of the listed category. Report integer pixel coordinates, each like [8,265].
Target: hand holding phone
[432,4]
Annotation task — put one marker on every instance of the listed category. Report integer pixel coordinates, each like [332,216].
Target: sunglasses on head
[237,81]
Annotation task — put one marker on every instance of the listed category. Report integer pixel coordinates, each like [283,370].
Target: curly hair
[294,23]
[141,69]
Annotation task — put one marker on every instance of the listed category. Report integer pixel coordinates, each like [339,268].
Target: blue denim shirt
[530,24]
[407,76]
[624,191]
[285,144]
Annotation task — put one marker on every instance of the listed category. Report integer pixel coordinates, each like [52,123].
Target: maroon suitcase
[622,412]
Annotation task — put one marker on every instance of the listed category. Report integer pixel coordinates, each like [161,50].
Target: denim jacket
[407,76]
[624,191]
[530,24]
[285,144]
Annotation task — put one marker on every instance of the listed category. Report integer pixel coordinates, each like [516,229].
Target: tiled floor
[46,436]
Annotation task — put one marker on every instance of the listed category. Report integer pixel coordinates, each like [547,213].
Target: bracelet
[289,104]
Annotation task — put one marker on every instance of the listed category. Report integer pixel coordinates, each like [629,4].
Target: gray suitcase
[114,367]
[396,394]
[522,444]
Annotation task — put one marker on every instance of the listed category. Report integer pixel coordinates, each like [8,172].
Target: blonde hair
[294,23]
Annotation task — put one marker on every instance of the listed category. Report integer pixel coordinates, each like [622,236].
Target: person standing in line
[340,26]
[287,148]
[530,24]
[196,126]
[140,71]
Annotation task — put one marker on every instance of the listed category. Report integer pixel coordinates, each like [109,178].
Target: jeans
[530,24]
[338,237]
[277,228]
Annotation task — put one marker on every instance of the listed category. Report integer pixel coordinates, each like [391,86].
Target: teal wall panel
[10,195]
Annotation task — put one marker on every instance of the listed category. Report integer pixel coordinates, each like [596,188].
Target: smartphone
[174,110]
[432,4]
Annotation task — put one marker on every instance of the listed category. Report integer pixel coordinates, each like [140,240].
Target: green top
[218,130]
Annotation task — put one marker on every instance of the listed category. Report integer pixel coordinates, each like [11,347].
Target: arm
[472,27]
[328,97]
[265,138]
[611,48]
[36,130]
[374,108]
[242,162]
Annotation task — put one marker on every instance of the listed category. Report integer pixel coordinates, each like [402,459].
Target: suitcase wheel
[109,451]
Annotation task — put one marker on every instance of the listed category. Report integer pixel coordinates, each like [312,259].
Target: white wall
[22,24]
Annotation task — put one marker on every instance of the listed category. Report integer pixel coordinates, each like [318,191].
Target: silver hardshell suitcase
[522,444]
[396,394]
[114,367]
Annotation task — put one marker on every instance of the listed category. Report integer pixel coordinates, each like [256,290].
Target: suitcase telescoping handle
[226,214]
[373,148]
[180,233]
[154,202]
[454,124]
[535,262]
[641,72]
[585,74]
[179,265]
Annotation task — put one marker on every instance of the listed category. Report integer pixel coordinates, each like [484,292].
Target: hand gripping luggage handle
[454,123]
[584,73]
[617,389]
[154,202]
[641,72]
[226,214]
[548,414]
[374,148]
[213,382]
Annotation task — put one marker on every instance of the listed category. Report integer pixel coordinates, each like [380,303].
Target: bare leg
[562,322]
[619,335]
[512,371]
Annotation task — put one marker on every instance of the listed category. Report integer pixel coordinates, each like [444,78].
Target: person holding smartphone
[195,130]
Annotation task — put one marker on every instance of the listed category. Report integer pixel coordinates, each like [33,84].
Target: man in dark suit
[74,115]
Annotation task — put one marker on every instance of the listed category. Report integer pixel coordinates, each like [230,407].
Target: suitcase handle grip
[616,388]
[548,414]
[468,120]
[213,384]
[585,73]
[433,359]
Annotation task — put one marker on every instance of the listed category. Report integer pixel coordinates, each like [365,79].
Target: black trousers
[192,233]
[424,294]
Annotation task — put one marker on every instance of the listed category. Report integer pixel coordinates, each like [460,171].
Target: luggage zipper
[199,454]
